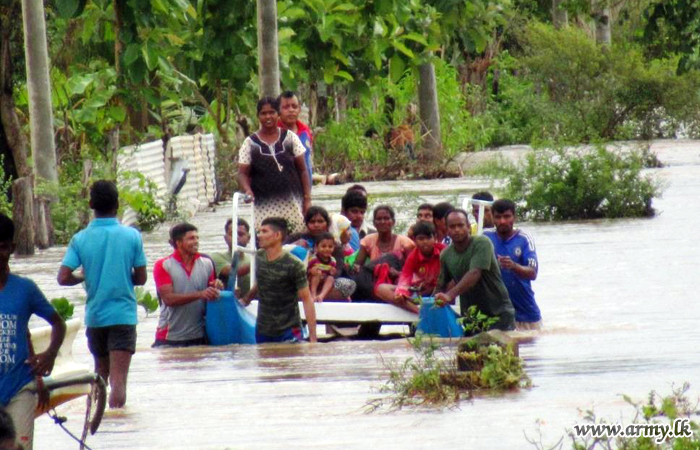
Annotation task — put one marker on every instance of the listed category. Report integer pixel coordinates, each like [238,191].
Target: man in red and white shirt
[184,280]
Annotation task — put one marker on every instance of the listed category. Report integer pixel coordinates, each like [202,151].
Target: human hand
[315,271]
[333,271]
[245,301]
[249,196]
[217,284]
[210,293]
[443,299]
[505,262]
[42,363]
[44,397]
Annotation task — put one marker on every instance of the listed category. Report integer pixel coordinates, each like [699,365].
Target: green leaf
[69,9]
[77,85]
[63,307]
[150,55]
[397,67]
[131,54]
[344,74]
[415,37]
[344,7]
[285,33]
[403,49]
[118,113]
[329,72]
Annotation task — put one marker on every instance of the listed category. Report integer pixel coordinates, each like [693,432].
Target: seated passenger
[424,214]
[420,272]
[318,222]
[322,269]
[222,260]
[440,212]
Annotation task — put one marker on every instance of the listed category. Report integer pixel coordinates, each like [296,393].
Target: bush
[600,92]
[562,184]
[143,200]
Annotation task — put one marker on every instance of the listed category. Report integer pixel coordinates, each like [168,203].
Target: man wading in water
[469,265]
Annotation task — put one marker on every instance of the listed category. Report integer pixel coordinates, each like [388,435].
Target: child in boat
[424,214]
[322,268]
[422,268]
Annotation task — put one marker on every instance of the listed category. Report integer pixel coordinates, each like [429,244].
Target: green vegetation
[504,75]
[432,378]
[146,300]
[143,200]
[589,183]
[63,307]
[654,411]
[475,322]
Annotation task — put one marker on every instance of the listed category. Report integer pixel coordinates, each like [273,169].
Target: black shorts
[102,340]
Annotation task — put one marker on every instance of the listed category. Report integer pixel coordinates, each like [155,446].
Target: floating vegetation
[146,300]
[488,362]
[63,307]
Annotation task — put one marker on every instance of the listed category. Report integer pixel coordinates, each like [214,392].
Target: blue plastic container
[228,322]
[438,321]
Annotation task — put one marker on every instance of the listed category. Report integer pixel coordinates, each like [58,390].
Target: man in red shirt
[420,271]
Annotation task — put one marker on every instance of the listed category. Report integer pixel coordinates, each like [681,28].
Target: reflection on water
[620,309]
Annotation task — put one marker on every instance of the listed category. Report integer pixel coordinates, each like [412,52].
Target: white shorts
[21,408]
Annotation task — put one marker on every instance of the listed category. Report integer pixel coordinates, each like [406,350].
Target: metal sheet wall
[155,163]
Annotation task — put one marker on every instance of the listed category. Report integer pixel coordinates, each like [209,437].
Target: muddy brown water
[620,304]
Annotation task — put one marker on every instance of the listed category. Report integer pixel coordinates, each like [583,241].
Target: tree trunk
[268,54]
[40,110]
[23,215]
[429,113]
[602,18]
[560,16]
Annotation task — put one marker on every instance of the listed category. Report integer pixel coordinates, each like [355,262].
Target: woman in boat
[317,222]
[272,170]
[384,241]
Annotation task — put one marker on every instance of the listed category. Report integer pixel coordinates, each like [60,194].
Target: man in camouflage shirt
[280,282]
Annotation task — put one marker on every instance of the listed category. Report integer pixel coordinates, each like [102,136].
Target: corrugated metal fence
[195,153]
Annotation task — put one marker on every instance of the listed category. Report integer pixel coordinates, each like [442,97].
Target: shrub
[561,184]
[143,200]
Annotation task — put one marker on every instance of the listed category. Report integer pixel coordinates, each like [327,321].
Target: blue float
[438,321]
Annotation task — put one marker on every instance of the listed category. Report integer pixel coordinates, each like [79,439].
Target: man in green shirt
[469,269]
[280,282]
[222,260]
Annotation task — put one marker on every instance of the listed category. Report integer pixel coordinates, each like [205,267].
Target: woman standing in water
[272,170]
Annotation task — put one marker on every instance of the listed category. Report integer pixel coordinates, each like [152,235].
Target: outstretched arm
[309,311]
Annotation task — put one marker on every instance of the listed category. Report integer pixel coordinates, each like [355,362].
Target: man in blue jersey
[516,255]
[113,262]
[19,365]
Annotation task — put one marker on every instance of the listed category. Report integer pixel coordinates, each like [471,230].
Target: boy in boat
[281,281]
[468,269]
[19,366]
[515,251]
[222,260]
[440,212]
[424,214]
[488,217]
[322,268]
[184,280]
[354,206]
[113,262]
[419,273]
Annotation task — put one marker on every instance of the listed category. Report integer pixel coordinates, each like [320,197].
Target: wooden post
[23,215]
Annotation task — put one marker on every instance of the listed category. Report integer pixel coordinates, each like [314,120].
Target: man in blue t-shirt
[516,255]
[19,299]
[113,262]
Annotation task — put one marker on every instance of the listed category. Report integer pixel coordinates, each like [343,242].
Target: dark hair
[483,195]
[104,197]
[7,426]
[353,199]
[244,224]
[357,187]
[315,210]
[286,94]
[324,237]
[502,205]
[423,229]
[458,211]
[425,206]
[7,229]
[386,208]
[441,210]
[278,224]
[180,230]
[272,101]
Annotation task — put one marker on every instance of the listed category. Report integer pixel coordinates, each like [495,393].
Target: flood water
[620,306]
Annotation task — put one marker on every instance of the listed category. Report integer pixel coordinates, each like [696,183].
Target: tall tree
[268,68]
[560,16]
[600,10]
[40,111]
[429,112]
